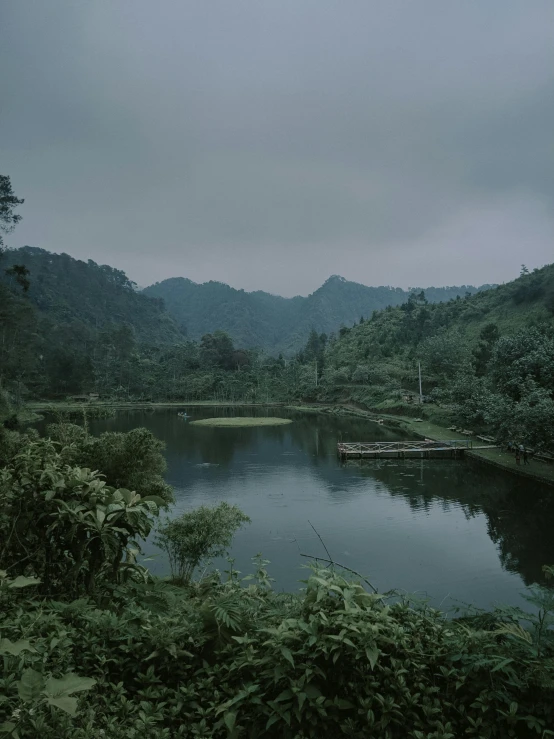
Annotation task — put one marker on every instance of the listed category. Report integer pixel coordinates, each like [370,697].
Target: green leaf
[23,582]
[67,704]
[502,664]
[372,654]
[271,720]
[312,691]
[287,655]
[285,695]
[69,683]
[7,727]
[30,685]
[230,718]
[342,703]
[155,499]
[15,648]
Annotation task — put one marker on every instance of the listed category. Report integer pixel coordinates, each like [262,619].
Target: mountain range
[86,296]
[277,324]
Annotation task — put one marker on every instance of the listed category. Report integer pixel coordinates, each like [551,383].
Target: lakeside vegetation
[94,645]
[72,329]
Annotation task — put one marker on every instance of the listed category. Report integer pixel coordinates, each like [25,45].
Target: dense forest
[72,328]
[487,359]
[276,324]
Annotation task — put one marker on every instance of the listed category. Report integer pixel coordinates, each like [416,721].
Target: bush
[236,660]
[64,524]
[132,460]
[198,535]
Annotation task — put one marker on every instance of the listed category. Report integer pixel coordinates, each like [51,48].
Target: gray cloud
[272,144]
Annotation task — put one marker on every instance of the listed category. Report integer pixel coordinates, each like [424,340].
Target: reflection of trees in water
[317,435]
[520,513]
[522,528]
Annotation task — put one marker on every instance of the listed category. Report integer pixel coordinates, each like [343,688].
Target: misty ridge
[168,311]
[277,324]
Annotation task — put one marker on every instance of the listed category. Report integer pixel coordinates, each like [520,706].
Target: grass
[497,456]
[262,421]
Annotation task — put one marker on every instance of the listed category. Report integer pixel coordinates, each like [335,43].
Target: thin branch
[321,540]
[344,567]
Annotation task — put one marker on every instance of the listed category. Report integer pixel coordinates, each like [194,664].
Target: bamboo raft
[422,448]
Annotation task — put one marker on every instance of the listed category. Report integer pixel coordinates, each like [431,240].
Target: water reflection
[440,526]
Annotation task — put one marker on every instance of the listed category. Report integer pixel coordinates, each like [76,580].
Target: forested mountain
[488,358]
[273,323]
[65,324]
[81,296]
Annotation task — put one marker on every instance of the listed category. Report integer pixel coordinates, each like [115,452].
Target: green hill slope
[488,359]
[397,333]
[276,324]
[88,296]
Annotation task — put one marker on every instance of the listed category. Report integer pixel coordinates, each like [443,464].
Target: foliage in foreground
[236,660]
[102,650]
[64,524]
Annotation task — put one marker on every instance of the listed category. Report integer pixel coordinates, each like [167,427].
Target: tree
[483,351]
[20,272]
[217,350]
[528,353]
[8,202]
[445,353]
[198,535]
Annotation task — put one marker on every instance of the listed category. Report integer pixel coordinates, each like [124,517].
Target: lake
[451,530]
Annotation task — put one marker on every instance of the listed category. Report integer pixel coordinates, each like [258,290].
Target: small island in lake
[264,421]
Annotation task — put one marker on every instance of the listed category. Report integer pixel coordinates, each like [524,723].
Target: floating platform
[420,449]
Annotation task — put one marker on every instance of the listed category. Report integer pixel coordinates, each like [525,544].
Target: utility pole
[316,372]
[420,393]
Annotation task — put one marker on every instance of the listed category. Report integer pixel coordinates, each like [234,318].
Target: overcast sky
[271,143]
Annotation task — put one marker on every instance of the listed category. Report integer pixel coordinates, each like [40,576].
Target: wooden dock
[419,449]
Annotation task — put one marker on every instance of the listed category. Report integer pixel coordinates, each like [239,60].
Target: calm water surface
[452,530]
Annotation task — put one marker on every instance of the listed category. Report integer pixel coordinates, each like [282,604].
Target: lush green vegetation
[70,328]
[276,324]
[93,646]
[487,359]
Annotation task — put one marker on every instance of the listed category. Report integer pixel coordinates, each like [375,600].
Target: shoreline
[538,471]
[62,405]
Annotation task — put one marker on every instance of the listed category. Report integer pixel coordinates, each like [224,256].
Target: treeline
[273,323]
[69,328]
[487,359]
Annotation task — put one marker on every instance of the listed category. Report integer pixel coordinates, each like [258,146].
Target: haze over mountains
[274,323]
[86,296]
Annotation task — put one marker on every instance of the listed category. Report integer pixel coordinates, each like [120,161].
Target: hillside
[399,332]
[489,358]
[88,296]
[67,323]
[276,324]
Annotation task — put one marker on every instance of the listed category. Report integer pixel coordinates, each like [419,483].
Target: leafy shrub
[198,535]
[235,659]
[64,524]
[132,460]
